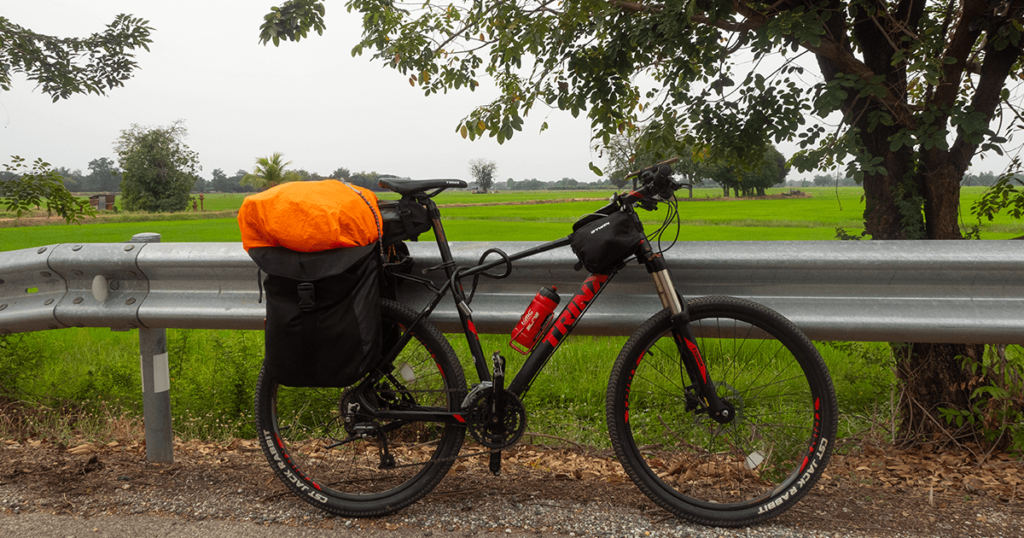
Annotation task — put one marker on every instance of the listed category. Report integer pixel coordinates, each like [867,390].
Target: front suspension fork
[693,361]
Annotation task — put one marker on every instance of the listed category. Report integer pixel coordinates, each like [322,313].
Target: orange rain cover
[310,216]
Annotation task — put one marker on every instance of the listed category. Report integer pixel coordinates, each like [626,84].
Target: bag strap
[380,228]
[307,307]
[406,215]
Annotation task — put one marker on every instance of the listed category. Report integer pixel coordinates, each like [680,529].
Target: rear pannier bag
[601,242]
[318,244]
[323,325]
[403,219]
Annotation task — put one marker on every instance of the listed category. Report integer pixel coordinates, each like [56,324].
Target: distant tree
[22,188]
[566,183]
[219,181]
[103,177]
[341,173]
[483,172]
[159,170]
[202,185]
[510,184]
[626,153]
[236,182]
[986,179]
[367,180]
[73,179]
[750,181]
[305,175]
[270,171]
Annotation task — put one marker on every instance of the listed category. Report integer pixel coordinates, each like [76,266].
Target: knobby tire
[739,473]
[297,426]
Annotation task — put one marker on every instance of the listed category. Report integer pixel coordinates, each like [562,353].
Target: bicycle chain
[450,458]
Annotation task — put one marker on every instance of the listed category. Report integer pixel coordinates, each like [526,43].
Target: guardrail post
[156,384]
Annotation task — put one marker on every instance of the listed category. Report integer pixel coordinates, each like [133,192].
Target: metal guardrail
[906,291]
[914,291]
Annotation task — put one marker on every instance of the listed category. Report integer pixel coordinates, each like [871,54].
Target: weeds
[995,413]
[85,383]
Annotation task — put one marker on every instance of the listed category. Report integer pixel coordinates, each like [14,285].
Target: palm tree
[269,172]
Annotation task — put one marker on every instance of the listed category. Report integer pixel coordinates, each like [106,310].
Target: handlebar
[655,183]
[655,168]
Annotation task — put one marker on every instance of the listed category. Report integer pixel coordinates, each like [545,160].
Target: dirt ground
[873,491]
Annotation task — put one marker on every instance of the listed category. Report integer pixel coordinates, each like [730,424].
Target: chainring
[486,424]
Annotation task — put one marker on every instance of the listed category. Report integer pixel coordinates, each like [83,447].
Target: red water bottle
[527,331]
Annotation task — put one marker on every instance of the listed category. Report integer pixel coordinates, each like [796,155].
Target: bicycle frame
[574,309]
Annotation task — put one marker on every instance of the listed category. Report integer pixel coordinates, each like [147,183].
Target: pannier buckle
[307,299]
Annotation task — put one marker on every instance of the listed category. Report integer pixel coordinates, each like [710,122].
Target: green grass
[94,372]
[793,219]
[521,225]
[223,229]
[89,377]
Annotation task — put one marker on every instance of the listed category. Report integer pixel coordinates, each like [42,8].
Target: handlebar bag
[602,242]
[403,219]
[323,326]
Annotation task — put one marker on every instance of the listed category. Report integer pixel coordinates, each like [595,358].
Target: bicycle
[719,409]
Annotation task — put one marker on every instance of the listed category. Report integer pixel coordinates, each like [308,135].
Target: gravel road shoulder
[212,489]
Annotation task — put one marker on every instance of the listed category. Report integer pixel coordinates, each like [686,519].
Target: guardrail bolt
[41,250]
[131,300]
[45,274]
[48,302]
[3,306]
[76,248]
[128,247]
[78,300]
[114,285]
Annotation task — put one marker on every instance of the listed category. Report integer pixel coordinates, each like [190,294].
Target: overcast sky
[241,100]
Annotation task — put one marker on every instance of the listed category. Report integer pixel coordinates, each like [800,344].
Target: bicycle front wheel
[784,414]
[365,466]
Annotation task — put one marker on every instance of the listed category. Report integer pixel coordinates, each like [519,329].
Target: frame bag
[603,241]
[323,324]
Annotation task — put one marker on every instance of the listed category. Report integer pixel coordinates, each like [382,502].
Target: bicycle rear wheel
[323,458]
[746,470]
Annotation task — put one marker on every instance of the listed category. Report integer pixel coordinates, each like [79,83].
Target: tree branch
[959,48]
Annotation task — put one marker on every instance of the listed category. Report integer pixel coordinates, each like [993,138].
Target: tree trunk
[932,377]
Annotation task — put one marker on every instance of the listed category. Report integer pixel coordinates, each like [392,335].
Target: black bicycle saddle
[410,186]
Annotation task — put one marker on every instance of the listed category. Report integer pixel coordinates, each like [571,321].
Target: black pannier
[403,219]
[602,241]
[323,326]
